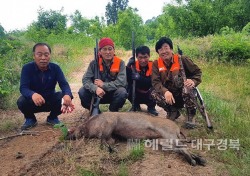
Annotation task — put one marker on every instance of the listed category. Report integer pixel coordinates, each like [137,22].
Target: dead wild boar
[133,125]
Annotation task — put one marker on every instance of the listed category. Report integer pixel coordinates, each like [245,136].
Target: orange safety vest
[115,67]
[149,71]
[175,66]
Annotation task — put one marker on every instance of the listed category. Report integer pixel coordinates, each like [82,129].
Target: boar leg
[170,144]
[199,160]
[109,144]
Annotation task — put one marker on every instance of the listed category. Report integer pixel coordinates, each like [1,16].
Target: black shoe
[153,111]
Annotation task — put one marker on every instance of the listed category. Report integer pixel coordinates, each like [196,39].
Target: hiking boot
[53,121]
[190,123]
[137,108]
[29,123]
[152,111]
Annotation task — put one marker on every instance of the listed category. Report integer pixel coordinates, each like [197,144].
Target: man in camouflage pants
[168,81]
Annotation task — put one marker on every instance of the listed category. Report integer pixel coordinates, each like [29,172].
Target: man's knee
[119,98]
[121,93]
[23,103]
[56,101]
[85,97]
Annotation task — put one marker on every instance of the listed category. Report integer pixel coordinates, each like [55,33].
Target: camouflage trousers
[181,100]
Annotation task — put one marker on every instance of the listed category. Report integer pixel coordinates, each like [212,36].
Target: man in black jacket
[37,86]
[142,76]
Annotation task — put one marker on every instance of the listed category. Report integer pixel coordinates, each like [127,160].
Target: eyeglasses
[163,48]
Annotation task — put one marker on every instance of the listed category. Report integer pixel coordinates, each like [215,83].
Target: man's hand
[100,92]
[169,98]
[67,100]
[136,76]
[98,82]
[131,62]
[189,83]
[38,99]
[67,106]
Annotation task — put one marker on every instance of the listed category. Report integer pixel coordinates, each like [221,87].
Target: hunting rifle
[133,71]
[193,94]
[94,107]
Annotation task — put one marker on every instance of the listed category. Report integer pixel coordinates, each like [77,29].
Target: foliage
[92,27]
[204,17]
[150,28]
[235,48]
[95,28]
[113,8]
[48,22]
[79,23]
[129,21]
[2,33]
[63,128]
[12,52]
[226,30]
[51,20]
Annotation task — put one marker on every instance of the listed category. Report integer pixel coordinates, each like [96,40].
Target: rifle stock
[133,71]
[94,108]
[194,94]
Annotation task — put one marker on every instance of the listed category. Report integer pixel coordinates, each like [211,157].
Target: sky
[19,14]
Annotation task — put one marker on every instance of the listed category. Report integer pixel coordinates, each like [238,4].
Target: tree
[129,21]
[203,17]
[2,33]
[51,20]
[79,23]
[95,27]
[112,10]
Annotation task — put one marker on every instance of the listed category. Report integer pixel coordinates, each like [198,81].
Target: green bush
[233,48]
[13,54]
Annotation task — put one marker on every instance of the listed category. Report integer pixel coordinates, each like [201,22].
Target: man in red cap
[111,85]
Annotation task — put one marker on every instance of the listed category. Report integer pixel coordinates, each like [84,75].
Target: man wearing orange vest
[111,87]
[142,76]
[168,82]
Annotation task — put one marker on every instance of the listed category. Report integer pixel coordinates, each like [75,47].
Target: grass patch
[8,125]
[123,170]
[226,93]
[137,152]
[125,108]
[84,172]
